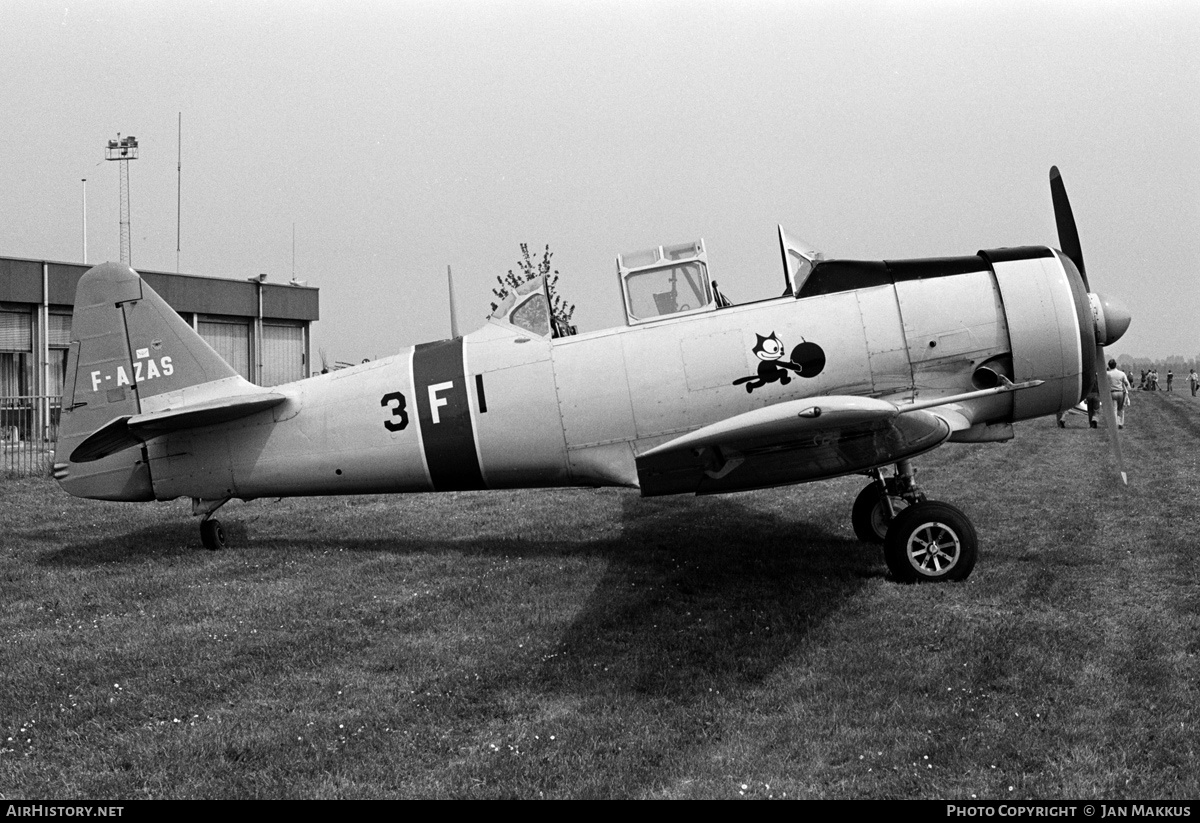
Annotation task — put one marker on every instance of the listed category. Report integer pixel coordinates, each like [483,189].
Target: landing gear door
[799,259]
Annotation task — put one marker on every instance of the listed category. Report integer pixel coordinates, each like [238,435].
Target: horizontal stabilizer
[132,430]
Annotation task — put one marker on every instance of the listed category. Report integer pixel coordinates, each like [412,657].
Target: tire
[870,516]
[931,543]
[212,535]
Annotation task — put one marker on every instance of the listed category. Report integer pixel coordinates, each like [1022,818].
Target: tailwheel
[212,534]
[930,542]
[872,514]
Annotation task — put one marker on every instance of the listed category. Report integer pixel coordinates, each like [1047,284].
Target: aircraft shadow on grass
[711,596]
[743,574]
[718,529]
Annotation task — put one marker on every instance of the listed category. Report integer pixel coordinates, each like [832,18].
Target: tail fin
[133,360]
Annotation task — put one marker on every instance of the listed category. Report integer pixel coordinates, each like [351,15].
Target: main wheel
[930,542]
[212,534]
[870,516]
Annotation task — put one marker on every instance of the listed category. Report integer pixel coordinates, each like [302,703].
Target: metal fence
[28,434]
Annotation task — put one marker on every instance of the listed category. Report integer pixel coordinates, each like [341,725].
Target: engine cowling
[1054,326]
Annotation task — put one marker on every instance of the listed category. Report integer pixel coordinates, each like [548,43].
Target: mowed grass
[578,643]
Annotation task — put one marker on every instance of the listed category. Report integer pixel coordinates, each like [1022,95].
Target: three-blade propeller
[1110,320]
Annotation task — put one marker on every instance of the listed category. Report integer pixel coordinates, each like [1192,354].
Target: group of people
[1149,380]
[1120,384]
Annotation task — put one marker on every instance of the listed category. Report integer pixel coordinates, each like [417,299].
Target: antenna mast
[453,319]
[178,191]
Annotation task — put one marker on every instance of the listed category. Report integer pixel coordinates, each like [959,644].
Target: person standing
[1119,388]
[1092,400]
[1194,381]
[1170,379]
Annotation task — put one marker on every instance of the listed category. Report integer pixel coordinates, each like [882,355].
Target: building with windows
[261,329]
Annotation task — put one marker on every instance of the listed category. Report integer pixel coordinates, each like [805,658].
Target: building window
[283,353]
[16,353]
[231,340]
[58,333]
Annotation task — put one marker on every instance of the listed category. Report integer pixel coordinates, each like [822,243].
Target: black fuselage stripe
[479,391]
[444,413]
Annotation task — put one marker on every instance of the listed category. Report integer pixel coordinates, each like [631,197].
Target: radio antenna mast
[178,191]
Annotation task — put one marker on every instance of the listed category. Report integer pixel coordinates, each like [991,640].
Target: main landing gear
[211,532]
[923,540]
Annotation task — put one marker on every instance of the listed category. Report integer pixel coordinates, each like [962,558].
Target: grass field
[586,643]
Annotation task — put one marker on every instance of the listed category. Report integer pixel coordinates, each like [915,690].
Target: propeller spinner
[1111,319]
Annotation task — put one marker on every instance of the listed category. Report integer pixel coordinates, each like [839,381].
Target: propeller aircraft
[858,367]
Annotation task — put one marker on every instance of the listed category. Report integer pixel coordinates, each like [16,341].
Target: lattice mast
[123,149]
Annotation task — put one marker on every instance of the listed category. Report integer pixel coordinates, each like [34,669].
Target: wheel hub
[933,549]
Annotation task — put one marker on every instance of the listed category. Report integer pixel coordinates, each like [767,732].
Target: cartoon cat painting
[807,360]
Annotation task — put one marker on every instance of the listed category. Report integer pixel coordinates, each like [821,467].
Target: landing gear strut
[923,540]
[211,532]
[878,504]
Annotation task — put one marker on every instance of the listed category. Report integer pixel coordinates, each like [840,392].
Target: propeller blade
[1110,412]
[1068,235]
[1103,310]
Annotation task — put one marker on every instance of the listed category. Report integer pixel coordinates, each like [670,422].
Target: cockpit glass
[533,315]
[667,290]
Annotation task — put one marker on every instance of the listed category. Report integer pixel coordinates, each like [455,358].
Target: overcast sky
[402,137]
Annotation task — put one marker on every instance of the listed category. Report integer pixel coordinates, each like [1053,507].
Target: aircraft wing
[793,442]
[811,439]
[955,415]
[127,431]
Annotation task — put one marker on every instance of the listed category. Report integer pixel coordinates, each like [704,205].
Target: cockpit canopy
[673,281]
[666,281]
